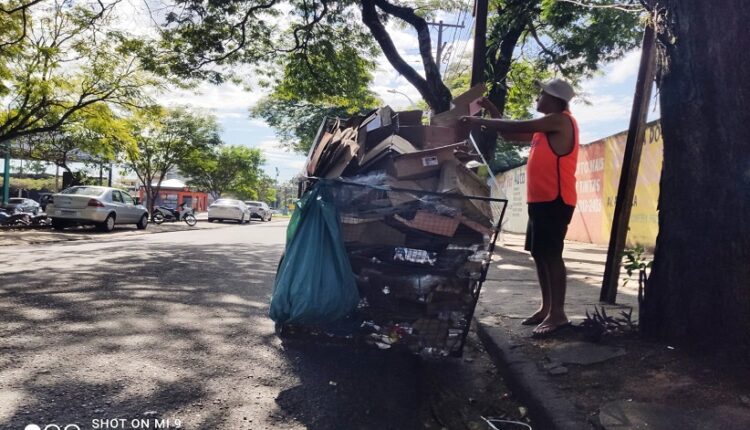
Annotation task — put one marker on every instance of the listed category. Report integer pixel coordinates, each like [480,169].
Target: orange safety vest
[548,175]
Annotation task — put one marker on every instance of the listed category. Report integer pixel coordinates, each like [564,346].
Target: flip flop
[552,331]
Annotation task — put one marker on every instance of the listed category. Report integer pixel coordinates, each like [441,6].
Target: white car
[228,209]
[102,206]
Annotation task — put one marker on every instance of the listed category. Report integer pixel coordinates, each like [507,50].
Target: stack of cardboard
[417,241]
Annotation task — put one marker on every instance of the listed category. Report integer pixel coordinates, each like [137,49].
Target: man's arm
[511,138]
[547,124]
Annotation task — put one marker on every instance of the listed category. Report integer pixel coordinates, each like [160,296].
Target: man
[551,191]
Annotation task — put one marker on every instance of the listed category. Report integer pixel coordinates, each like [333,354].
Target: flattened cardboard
[422,164]
[431,223]
[349,150]
[392,144]
[462,105]
[463,100]
[448,118]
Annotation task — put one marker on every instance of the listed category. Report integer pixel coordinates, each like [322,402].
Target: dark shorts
[548,224]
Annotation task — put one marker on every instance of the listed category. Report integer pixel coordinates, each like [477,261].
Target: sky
[602,108]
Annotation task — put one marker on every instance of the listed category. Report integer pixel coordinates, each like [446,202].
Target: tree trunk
[699,290]
[498,93]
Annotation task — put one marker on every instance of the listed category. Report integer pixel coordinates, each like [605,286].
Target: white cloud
[276,156]
[227,100]
[624,68]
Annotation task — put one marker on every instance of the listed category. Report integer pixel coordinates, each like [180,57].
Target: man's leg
[558,286]
[542,271]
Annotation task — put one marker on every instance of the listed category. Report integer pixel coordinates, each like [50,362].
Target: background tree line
[74,89]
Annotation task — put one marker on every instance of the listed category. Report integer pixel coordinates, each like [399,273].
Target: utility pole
[6,173]
[480,41]
[440,45]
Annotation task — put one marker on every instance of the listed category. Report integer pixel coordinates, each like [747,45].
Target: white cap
[558,88]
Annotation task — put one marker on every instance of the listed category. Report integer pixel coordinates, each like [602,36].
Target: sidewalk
[622,382]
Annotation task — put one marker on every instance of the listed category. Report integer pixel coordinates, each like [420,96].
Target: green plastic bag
[314,284]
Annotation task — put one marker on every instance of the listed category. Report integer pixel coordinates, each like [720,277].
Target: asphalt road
[171,330]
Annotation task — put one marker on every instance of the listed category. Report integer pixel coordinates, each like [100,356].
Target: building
[174,192]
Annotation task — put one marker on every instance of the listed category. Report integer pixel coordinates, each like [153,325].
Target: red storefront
[174,192]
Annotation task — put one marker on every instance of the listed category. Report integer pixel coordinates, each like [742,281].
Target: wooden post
[630,164]
[480,41]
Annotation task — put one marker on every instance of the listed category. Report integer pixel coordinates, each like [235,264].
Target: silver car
[259,210]
[102,206]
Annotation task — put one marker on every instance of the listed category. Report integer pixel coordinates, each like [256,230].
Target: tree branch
[552,54]
[625,7]
[431,87]
[243,35]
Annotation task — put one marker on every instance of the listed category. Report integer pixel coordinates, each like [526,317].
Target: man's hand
[485,103]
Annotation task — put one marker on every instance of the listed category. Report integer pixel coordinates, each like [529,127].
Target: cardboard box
[409,117]
[457,178]
[402,197]
[431,223]
[422,164]
[391,144]
[370,232]
[428,136]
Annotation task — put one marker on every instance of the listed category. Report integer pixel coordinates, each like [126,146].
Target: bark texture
[699,290]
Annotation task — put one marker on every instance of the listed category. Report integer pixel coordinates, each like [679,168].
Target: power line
[459,58]
[451,48]
[457,34]
[440,44]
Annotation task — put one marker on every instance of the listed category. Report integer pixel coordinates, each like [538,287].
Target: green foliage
[233,169]
[42,88]
[522,90]
[95,134]
[163,139]
[635,262]
[296,122]
[582,37]
[329,77]
[30,183]
[535,39]
[598,325]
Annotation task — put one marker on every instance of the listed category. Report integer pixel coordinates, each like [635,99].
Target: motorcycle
[14,218]
[165,214]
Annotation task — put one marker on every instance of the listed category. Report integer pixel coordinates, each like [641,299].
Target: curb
[548,407]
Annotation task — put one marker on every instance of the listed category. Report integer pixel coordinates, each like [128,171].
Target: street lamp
[392,91]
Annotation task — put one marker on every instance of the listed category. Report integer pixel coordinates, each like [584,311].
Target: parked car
[228,209]
[20,204]
[102,206]
[259,210]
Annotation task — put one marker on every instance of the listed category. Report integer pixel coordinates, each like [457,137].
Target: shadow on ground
[118,332]
[179,331]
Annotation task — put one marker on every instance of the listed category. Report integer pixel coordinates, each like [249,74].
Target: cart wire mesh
[419,257]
